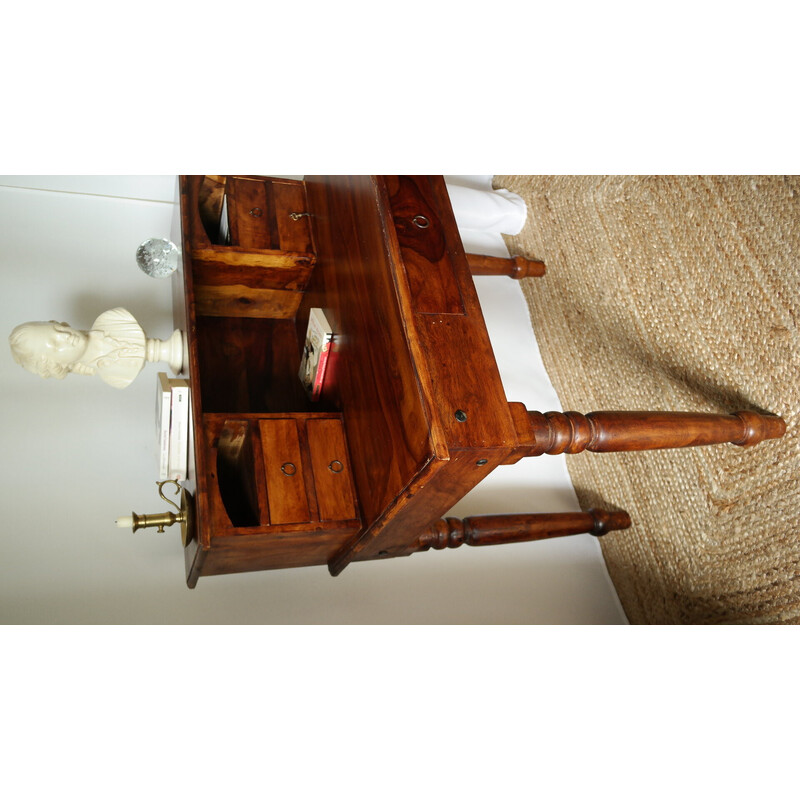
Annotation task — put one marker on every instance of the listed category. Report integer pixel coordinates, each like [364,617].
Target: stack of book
[172,427]
[316,350]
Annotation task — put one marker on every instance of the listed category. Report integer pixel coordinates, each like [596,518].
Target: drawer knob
[288,469]
[421,221]
[336,466]
[256,212]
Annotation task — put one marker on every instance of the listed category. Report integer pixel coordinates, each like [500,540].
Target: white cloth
[483,213]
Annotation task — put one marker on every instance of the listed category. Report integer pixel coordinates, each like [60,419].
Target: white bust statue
[115,348]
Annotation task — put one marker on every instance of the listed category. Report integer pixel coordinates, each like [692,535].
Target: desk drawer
[428,255]
[260,214]
[306,470]
[331,469]
[283,470]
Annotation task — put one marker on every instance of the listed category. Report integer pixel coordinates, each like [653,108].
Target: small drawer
[428,257]
[331,468]
[283,467]
[260,215]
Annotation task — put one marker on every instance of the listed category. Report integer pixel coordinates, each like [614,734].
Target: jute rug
[678,293]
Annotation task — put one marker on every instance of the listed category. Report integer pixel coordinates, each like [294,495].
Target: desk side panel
[253,552]
[184,318]
[428,499]
[448,335]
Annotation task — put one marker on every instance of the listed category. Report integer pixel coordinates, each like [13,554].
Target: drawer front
[428,257]
[283,468]
[252,225]
[331,467]
[294,235]
[261,215]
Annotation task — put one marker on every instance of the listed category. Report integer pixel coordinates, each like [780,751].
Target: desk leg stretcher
[513,528]
[517,267]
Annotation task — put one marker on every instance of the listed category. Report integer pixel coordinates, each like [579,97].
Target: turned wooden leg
[517,267]
[617,431]
[510,528]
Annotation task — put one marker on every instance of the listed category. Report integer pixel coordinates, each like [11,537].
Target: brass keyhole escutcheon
[288,469]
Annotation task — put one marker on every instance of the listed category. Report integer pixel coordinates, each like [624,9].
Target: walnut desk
[413,413]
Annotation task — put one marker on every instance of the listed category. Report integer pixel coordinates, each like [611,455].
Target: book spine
[315,353]
[163,403]
[179,433]
[319,376]
[163,452]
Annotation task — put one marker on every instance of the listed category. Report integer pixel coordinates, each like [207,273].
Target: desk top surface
[414,374]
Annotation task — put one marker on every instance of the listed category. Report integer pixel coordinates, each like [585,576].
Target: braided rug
[678,293]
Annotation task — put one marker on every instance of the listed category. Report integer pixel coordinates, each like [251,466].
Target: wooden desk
[413,409]
[413,381]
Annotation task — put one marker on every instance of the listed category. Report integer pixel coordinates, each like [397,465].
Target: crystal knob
[157,258]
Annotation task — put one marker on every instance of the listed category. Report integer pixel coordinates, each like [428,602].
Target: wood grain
[620,431]
[517,267]
[330,465]
[252,258]
[237,300]
[236,475]
[430,271]
[285,472]
[210,194]
[248,365]
[260,214]
[515,528]
[407,373]
[374,380]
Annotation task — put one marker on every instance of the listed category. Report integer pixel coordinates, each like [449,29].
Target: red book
[316,350]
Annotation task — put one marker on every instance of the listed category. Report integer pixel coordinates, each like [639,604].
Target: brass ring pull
[256,212]
[288,469]
[421,221]
[336,466]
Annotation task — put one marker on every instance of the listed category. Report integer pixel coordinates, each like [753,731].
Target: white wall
[78,453]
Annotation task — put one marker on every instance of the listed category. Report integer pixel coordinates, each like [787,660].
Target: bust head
[50,349]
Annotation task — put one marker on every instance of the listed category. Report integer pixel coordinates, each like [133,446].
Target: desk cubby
[278,490]
[279,471]
[273,484]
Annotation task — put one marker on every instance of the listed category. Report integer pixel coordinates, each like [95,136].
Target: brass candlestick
[185,515]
